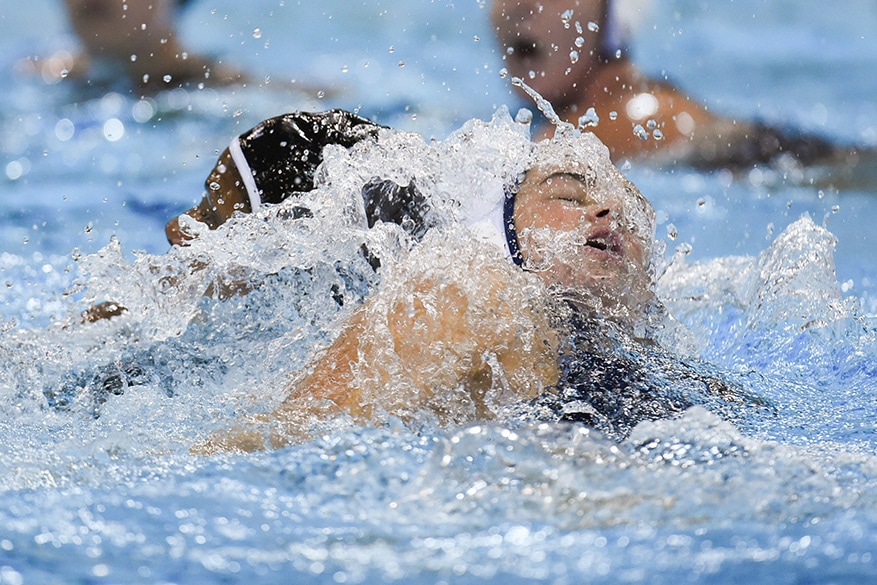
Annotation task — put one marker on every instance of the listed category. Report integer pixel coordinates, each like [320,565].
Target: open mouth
[597,243]
[608,242]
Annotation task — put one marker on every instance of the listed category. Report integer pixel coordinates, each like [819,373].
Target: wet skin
[225,194]
[577,240]
[637,115]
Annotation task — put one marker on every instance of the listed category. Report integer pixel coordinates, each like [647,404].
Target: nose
[604,211]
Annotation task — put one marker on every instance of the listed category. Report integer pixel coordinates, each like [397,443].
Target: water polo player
[278,159]
[498,325]
[139,39]
[574,54]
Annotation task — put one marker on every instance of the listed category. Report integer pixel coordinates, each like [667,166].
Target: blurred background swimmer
[575,54]
[137,40]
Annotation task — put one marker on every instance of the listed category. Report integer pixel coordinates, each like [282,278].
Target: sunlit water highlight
[118,498]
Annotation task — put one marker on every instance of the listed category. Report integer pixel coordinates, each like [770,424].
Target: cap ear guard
[508,222]
[246,173]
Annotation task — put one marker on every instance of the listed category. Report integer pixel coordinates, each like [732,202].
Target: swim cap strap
[508,222]
[246,173]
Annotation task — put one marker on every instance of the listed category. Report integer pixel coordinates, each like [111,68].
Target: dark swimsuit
[611,382]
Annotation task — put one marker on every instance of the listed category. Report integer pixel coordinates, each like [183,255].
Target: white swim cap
[490,215]
[489,212]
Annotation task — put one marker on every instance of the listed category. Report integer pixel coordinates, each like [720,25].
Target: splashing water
[97,418]
[96,481]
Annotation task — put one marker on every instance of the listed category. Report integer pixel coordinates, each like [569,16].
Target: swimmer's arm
[326,390]
[400,348]
[403,346]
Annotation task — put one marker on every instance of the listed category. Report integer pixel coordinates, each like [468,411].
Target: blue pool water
[89,176]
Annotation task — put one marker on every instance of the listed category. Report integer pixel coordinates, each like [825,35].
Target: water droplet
[593,26]
[590,119]
[476,38]
[640,132]
[214,186]
[580,42]
[133,57]
[257,33]
[344,69]
[113,129]
[573,56]
[566,17]
[524,116]
[401,63]
[613,115]
[672,232]
[503,73]
[167,78]
[657,134]
[64,129]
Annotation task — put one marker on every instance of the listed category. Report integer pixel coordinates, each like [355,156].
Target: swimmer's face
[585,240]
[538,37]
[225,195]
